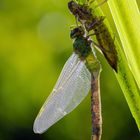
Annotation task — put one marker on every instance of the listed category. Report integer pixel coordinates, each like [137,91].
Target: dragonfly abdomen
[96,108]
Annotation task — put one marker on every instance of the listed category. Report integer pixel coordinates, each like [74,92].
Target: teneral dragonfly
[80,74]
[85,15]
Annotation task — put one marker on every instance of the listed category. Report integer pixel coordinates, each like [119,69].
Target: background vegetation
[34,45]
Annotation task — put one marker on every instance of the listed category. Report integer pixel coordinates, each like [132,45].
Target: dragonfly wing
[69,91]
[71,62]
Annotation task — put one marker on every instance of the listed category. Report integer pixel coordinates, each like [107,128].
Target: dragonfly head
[76,32]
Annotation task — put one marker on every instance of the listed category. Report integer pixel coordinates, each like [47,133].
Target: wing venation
[71,88]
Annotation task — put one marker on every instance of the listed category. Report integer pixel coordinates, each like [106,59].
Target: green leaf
[127,20]
[126,16]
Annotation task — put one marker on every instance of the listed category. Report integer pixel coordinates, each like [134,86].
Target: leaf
[126,16]
[127,20]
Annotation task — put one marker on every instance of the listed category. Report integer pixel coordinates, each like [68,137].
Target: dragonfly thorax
[76,32]
[82,44]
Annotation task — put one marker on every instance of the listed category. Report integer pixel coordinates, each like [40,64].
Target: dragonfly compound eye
[77,32]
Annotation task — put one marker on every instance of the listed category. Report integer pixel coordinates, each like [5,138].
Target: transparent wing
[72,87]
[68,67]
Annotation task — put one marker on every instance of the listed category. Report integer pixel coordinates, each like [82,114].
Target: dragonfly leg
[90,35]
[76,19]
[94,22]
[73,26]
[97,45]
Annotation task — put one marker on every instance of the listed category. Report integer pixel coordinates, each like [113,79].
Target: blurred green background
[34,45]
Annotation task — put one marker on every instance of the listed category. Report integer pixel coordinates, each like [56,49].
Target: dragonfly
[86,16]
[80,73]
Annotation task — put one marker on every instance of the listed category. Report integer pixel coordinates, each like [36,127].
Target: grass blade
[128,78]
